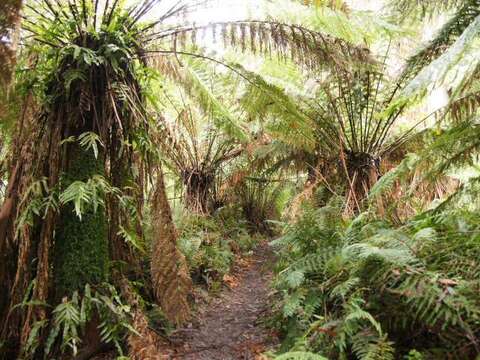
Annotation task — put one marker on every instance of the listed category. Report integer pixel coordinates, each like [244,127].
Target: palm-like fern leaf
[449,33]
[454,67]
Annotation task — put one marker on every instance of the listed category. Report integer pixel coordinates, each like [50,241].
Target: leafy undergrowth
[210,244]
[363,289]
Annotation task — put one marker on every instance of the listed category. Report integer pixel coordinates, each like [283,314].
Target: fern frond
[423,8]
[449,33]
[307,47]
[386,182]
[300,355]
[195,77]
[368,346]
[333,17]
[454,67]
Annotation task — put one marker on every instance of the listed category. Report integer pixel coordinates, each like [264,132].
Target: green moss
[81,245]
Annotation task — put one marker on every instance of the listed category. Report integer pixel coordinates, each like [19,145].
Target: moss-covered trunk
[81,246]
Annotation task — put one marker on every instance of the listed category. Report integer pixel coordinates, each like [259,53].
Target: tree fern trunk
[171,280]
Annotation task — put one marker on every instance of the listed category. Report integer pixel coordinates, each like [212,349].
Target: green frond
[452,69]
[368,346]
[402,170]
[202,84]
[366,251]
[446,37]
[446,152]
[283,116]
[334,19]
[380,285]
[423,8]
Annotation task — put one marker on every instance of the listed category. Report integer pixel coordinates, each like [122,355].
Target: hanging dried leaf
[171,280]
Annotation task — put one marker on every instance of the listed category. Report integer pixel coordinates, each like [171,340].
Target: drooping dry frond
[305,46]
[465,106]
[170,277]
[144,344]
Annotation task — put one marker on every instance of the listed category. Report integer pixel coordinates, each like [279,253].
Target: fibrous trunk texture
[56,241]
[171,280]
[362,171]
[198,190]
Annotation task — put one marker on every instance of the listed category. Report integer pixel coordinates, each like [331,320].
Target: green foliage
[366,290]
[82,195]
[454,68]
[299,355]
[211,242]
[206,243]
[334,18]
[70,318]
[260,202]
[399,172]
[348,288]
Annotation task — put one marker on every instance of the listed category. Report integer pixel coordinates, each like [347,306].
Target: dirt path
[230,328]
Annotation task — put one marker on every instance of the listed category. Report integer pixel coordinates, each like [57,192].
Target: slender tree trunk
[9,20]
[171,280]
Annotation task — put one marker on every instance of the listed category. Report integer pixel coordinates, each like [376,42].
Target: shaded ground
[230,327]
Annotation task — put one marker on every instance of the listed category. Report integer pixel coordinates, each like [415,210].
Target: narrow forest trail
[230,326]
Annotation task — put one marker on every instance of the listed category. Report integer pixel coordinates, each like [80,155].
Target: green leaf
[90,140]
[295,278]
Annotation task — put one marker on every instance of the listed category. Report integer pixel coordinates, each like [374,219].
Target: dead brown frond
[145,344]
[170,276]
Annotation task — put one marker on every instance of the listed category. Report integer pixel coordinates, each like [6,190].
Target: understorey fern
[300,355]
[71,317]
[362,289]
